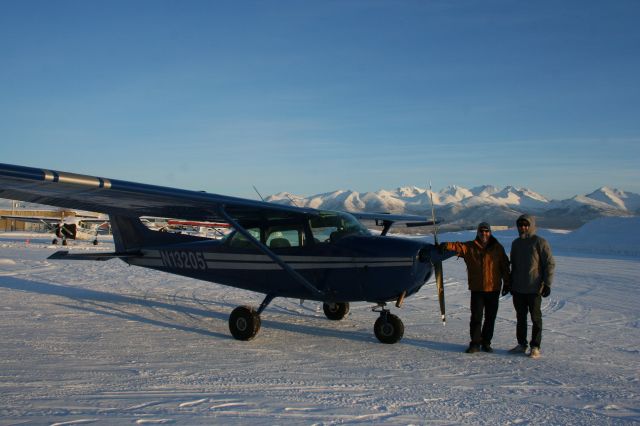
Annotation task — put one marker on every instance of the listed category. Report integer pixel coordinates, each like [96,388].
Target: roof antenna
[257,192]
[262,198]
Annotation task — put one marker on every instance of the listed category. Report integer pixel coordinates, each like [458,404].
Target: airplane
[78,227]
[274,249]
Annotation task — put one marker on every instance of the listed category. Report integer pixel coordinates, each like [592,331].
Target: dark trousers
[483,303]
[528,304]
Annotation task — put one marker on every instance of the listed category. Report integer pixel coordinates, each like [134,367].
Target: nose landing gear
[388,328]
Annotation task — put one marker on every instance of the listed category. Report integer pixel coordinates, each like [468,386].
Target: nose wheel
[388,328]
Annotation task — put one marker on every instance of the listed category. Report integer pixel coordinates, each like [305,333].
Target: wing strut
[295,275]
[386,225]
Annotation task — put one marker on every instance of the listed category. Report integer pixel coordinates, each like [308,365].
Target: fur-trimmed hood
[532,225]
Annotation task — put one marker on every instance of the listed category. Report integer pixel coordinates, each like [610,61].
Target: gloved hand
[506,289]
[546,291]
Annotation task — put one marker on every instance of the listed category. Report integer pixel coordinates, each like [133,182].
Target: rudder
[128,233]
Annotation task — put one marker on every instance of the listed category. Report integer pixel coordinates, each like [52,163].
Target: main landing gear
[335,311]
[64,242]
[244,321]
[55,241]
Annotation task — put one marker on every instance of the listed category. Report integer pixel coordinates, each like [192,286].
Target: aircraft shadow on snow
[114,305]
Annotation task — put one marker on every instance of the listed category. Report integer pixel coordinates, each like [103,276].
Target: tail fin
[130,234]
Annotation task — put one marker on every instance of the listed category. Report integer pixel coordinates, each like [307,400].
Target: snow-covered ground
[105,343]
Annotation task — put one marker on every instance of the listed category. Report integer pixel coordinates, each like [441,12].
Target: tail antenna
[292,200]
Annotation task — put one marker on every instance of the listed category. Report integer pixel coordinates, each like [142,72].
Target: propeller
[437,265]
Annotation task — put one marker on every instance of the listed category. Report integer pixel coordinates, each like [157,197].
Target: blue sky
[310,97]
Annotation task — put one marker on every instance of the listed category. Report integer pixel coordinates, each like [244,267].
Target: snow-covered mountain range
[462,207]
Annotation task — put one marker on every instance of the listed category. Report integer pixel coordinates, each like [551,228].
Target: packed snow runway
[105,343]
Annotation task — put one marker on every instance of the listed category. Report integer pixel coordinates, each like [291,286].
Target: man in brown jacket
[487,273]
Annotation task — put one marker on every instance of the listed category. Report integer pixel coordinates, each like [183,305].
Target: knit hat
[484,225]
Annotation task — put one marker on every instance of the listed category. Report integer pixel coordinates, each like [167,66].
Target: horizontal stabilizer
[65,255]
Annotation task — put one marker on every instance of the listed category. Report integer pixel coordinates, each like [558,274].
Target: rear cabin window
[280,237]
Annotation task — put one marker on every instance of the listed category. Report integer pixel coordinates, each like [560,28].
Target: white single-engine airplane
[277,250]
[77,227]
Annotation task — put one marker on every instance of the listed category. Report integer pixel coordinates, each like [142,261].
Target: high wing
[123,198]
[131,199]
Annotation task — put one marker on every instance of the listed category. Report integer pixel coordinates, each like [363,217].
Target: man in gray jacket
[532,268]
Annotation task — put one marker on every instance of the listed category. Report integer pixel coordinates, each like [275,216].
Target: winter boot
[535,353]
[520,349]
[472,349]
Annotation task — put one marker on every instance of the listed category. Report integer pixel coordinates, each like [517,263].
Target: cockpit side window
[273,235]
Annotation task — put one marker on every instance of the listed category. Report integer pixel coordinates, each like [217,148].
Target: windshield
[331,226]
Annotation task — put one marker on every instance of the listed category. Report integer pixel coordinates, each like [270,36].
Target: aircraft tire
[95,242]
[64,242]
[54,241]
[244,323]
[336,311]
[388,328]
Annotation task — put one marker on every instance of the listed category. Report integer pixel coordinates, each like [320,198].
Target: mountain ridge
[462,207]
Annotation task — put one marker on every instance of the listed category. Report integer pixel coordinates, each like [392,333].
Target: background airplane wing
[90,220]
[33,219]
[118,197]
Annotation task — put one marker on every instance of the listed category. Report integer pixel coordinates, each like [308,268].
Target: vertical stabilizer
[128,233]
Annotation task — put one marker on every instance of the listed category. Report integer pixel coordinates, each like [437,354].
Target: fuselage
[354,268]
